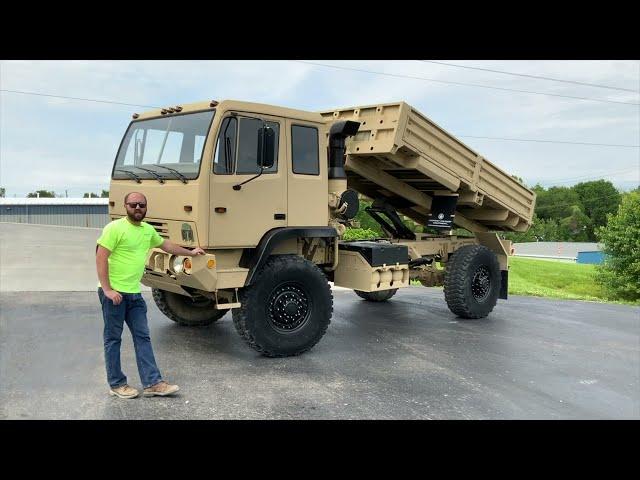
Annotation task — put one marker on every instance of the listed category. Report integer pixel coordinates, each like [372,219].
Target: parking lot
[409,358]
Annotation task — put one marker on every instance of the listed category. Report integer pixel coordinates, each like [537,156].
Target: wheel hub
[481,284]
[288,307]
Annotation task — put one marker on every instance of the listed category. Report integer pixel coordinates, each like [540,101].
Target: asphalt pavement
[408,358]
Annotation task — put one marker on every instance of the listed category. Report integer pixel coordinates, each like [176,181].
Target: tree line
[51,194]
[570,214]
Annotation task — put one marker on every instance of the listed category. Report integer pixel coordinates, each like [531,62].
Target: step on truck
[268,192]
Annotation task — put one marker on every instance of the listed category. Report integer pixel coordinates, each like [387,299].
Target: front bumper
[205,275]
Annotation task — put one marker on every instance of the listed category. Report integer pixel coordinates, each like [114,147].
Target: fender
[255,258]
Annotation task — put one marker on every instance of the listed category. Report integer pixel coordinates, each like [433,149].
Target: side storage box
[372,266]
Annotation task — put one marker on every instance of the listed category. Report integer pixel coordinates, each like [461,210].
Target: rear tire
[379,296]
[187,311]
[287,308]
[472,281]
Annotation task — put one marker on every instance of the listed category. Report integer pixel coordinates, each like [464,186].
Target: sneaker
[161,388]
[124,391]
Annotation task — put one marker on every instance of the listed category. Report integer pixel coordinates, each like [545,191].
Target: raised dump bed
[400,155]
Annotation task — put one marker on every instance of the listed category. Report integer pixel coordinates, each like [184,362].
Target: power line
[76,98]
[589,177]
[463,84]
[466,136]
[532,76]
[552,141]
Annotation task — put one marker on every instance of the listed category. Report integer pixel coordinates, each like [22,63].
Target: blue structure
[593,257]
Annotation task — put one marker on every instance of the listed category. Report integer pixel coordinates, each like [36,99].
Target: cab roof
[234,105]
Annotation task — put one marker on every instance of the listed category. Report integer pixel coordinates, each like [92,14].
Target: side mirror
[266,147]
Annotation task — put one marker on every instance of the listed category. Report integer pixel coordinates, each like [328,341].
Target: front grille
[161,227]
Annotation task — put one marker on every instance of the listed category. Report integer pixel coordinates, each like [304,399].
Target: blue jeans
[132,310]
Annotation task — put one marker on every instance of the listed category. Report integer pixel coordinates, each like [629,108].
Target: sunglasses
[137,204]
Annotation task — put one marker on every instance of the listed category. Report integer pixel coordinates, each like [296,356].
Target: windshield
[171,147]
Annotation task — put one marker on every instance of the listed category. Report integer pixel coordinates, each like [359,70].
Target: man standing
[120,257]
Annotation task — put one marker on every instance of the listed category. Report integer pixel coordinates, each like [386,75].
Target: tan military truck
[268,192]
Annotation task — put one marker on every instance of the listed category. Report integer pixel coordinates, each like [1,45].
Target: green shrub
[620,273]
[360,234]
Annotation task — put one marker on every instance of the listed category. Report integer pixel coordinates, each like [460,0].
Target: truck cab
[195,154]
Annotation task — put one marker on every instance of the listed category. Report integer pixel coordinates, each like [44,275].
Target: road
[409,358]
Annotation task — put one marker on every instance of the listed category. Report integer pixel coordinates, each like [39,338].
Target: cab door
[239,218]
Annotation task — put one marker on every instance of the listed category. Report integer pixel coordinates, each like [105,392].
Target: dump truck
[269,192]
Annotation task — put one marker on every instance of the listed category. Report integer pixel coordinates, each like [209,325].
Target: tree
[90,195]
[41,194]
[620,238]
[557,202]
[2,192]
[574,227]
[104,194]
[598,198]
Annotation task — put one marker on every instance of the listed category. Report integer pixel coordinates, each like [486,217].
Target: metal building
[567,251]
[72,212]
[595,257]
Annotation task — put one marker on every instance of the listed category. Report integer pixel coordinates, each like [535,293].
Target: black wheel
[472,282]
[197,311]
[287,309]
[379,296]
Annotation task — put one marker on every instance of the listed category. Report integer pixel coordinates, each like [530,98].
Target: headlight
[186,266]
[181,264]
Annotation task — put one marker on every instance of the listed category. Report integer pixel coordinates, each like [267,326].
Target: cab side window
[304,150]
[224,160]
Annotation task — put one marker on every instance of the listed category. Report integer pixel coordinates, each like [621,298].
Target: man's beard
[132,216]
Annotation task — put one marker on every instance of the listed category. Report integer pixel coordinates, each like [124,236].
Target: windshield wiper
[182,177]
[137,178]
[155,174]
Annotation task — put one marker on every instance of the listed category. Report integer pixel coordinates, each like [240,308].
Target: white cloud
[71,142]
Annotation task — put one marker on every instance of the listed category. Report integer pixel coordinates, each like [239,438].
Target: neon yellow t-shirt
[129,245]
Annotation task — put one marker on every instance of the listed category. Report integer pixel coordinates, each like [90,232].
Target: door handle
[279,216]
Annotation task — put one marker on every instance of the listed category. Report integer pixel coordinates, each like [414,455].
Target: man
[120,257]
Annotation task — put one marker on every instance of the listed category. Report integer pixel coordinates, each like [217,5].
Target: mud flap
[504,284]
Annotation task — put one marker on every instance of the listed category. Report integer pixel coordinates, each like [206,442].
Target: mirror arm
[239,185]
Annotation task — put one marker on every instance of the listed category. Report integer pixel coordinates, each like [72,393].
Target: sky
[69,146]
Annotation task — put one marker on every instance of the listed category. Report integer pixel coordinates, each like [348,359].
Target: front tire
[187,311]
[472,282]
[379,296]
[287,309]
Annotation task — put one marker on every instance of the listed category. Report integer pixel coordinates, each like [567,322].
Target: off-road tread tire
[379,296]
[457,281]
[270,275]
[164,303]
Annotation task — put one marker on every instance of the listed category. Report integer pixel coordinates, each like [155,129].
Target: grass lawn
[554,279]
[546,278]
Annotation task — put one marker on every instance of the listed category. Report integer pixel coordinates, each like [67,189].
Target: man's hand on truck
[174,249]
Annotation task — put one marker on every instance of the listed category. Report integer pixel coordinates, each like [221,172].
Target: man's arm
[174,249]
[102,266]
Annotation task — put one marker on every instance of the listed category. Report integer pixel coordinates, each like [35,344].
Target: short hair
[126,197]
